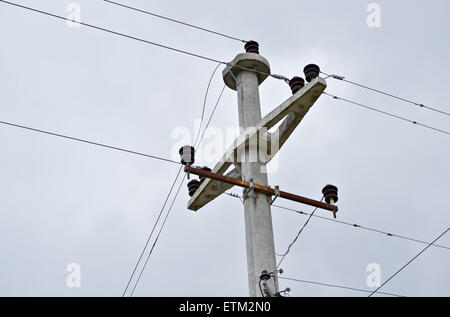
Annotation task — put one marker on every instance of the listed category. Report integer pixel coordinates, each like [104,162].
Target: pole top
[252,61]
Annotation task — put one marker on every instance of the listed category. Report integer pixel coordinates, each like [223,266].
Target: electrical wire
[386,113]
[212,114]
[140,39]
[409,262]
[295,239]
[157,237]
[176,21]
[235,196]
[260,288]
[342,78]
[204,104]
[87,142]
[151,233]
[170,208]
[337,286]
[354,225]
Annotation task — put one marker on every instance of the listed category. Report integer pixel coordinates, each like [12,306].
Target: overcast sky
[65,202]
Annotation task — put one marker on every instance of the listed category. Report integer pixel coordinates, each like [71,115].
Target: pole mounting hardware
[277,193]
[267,190]
[251,187]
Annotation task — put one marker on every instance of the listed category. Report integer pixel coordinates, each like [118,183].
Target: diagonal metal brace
[250,188]
[277,193]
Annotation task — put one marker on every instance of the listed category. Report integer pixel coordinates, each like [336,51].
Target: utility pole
[244,74]
[258,219]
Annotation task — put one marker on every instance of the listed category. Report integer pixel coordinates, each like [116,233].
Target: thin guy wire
[342,78]
[354,225]
[87,141]
[151,233]
[176,21]
[157,237]
[336,286]
[409,262]
[298,234]
[140,40]
[386,113]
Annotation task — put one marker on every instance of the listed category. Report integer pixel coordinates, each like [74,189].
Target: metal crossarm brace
[267,190]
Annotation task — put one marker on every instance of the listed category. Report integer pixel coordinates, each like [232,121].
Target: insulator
[193,185]
[252,47]
[311,71]
[296,83]
[187,155]
[205,168]
[264,275]
[330,192]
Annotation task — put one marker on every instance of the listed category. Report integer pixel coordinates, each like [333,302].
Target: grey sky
[64,202]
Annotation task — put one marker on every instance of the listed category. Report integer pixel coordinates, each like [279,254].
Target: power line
[176,21]
[335,286]
[357,226]
[140,39]
[204,103]
[157,237]
[212,114]
[151,233]
[170,208]
[353,225]
[87,142]
[112,32]
[295,239]
[342,78]
[386,113]
[409,262]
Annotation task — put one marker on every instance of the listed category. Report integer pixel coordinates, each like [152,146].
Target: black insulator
[296,83]
[264,275]
[193,185]
[205,168]
[311,71]
[330,192]
[187,154]
[252,47]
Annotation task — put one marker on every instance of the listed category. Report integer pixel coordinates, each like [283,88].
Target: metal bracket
[238,168]
[234,77]
[277,194]
[249,189]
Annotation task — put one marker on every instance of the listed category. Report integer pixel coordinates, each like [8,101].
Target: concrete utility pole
[244,74]
[258,219]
